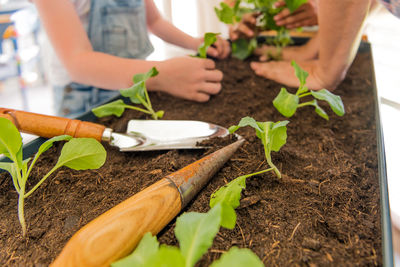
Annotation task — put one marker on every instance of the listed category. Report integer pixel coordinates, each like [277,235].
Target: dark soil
[323,212]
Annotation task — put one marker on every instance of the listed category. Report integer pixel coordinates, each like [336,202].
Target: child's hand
[220,49]
[187,77]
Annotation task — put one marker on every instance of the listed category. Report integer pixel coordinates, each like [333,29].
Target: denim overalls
[116,27]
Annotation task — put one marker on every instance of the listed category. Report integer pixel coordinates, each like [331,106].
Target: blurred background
[23,82]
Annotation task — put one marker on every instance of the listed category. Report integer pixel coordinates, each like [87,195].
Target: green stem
[41,181]
[305,94]
[310,103]
[256,173]
[267,151]
[138,109]
[147,98]
[21,216]
[149,108]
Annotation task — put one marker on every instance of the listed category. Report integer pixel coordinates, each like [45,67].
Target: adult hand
[220,49]
[308,51]
[187,77]
[283,73]
[245,27]
[305,15]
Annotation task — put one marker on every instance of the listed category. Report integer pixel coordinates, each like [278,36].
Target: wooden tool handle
[50,126]
[116,232]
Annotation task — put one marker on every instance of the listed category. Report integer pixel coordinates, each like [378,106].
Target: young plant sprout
[209,39]
[195,233]
[242,48]
[137,93]
[287,103]
[77,154]
[272,135]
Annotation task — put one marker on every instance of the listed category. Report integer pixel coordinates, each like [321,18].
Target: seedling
[77,154]
[137,93]
[209,39]
[195,233]
[243,48]
[287,103]
[229,196]
[272,135]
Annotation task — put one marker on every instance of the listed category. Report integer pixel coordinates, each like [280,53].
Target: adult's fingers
[281,15]
[213,51]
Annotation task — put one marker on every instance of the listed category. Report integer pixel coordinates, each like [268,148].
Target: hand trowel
[141,135]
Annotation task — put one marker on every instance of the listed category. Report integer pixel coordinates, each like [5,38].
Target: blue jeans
[73,100]
[116,27]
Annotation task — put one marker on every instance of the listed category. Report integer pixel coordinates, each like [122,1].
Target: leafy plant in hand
[266,10]
[287,103]
[195,233]
[137,94]
[77,154]
[209,39]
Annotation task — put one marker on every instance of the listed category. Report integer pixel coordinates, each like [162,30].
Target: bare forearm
[340,31]
[105,71]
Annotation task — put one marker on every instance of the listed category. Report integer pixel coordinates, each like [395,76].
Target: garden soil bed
[324,211]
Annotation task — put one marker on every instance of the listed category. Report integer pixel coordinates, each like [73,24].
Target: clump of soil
[324,211]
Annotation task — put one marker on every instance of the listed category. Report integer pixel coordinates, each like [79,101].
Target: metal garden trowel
[141,135]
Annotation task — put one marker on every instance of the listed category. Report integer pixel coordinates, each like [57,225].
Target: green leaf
[229,197]
[10,139]
[293,5]
[144,252]
[82,154]
[167,256]
[142,77]
[49,143]
[246,121]
[10,167]
[300,73]
[226,14]
[278,135]
[209,39]
[136,92]
[196,232]
[113,108]
[335,102]
[286,103]
[236,257]
[319,110]
[243,48]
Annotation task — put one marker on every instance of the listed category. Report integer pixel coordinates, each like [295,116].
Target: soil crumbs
[323,212]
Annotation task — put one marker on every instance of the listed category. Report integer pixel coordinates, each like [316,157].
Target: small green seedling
[137,93]
[272,135]
[77,154]
[266,10]
[195,233]
[209,39]
[228,196]
[287,103]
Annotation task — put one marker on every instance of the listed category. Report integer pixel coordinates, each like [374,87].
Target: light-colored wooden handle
[50,126]
[116,232]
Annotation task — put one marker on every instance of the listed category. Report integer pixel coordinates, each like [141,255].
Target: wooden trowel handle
[50,126]
[115,233]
